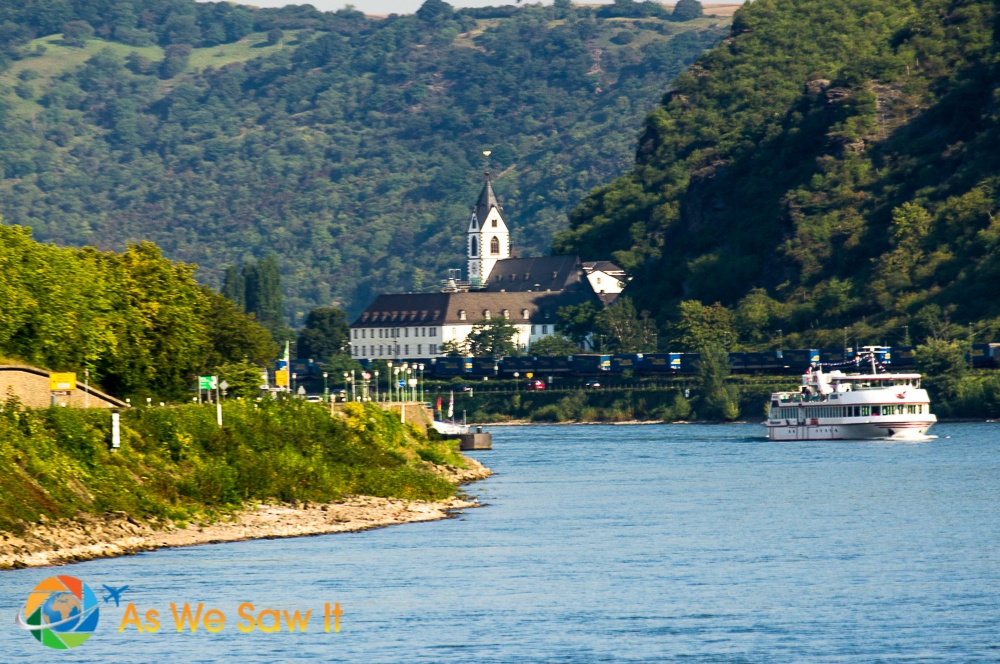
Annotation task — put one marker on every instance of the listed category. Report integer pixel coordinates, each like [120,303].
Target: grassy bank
[176,463]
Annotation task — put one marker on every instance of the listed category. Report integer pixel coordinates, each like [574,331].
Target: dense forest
[140,323]
[827,174]
[349,147]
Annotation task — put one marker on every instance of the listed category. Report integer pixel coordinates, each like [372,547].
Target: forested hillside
[350,147]
[828,172]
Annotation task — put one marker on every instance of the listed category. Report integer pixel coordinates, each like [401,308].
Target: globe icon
[61,612]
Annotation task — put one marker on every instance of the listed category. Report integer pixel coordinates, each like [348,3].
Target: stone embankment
[117,533]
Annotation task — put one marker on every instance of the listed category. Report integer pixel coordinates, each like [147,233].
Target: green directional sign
[207,382]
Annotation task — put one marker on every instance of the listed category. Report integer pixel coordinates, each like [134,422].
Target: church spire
[489,236]
[487,201]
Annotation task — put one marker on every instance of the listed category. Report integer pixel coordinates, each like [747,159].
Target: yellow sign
[530,375]
[59,382]
[281,378]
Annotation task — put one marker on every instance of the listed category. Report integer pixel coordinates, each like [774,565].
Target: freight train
[793,361]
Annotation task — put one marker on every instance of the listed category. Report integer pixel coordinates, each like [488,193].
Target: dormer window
[461,314]
[555,275]
[487,314]
[506,314]
[524,314]
[527,276]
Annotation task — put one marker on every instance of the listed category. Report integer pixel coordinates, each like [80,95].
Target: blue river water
[611,543]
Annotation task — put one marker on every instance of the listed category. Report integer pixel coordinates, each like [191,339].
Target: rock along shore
[118,534]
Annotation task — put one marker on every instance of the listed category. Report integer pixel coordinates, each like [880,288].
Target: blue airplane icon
[114,593]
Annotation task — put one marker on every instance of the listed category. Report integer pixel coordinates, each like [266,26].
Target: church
[526,291]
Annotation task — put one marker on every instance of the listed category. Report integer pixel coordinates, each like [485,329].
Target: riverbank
[87,537]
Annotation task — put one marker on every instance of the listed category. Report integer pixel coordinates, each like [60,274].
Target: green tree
[623,331]
[234,336]
[698,326]
[687,10]
[76,33]
[244,378]
[263,295]
[577,321]
[175,60]
[455,348]
[492,338]
[716,399]
[234,286]
[944,367]
[553,345]
[275,35]
[326,333]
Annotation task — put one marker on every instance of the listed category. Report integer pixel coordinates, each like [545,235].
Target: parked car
[593,383]
[314,398]
[536,384]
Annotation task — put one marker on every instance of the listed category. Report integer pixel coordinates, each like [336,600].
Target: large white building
[526,291]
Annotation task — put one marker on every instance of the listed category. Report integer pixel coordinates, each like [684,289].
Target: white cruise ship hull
[887,428]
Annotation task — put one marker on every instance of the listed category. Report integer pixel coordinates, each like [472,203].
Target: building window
[434,332]
[380,333]
[494,223]
[406,332]
[355,334]
[380,350]
[495,246]
[461,316]
[419,346]
[406,349]
[598,281]
[474,247]
[532,329]
[433,349]
[545,329]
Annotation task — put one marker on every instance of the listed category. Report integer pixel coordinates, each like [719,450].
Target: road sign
[223,386]
[62,381]
[530,375]
[281,378]
[402,383]
[207,382]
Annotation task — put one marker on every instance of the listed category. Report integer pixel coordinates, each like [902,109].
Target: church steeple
[489,237]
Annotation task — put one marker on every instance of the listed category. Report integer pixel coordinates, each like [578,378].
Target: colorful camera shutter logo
[61,612]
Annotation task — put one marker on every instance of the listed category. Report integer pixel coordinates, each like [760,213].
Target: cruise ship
[839,406]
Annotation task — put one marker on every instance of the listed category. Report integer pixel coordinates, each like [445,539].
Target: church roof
[544,273]
[487,201]
[468,308]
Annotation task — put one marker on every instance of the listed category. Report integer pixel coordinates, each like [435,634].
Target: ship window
[875,411]
[866,411]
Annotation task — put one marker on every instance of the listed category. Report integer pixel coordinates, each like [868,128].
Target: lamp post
[326,388]
[422,394]
[376,384]
[395,379]
[516,384]
[354,389]
[292,388]
[388,380]
[346,387]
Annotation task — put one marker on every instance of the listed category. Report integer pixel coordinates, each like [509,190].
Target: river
[611,543]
